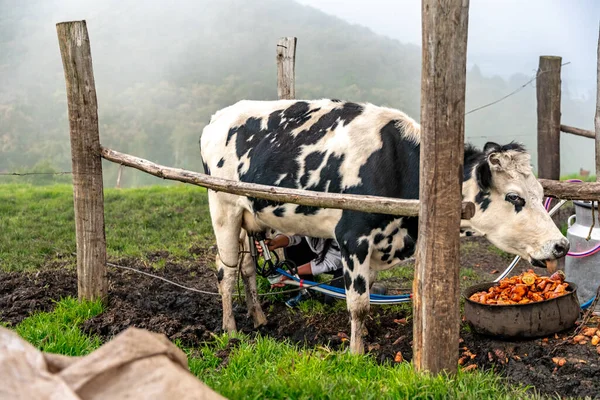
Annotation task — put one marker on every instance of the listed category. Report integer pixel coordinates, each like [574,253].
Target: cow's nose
[561,248]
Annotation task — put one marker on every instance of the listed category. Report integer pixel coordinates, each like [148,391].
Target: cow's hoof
[258,324]
[259,319]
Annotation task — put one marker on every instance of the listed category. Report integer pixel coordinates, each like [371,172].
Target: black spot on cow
[385,257]
[336,100]
[483,199]
[347,280]
[296,110]
[483,173]
[468,233]
[390,238]
[232,131]
[387,249]
[378,238]
[330,178]
[221,162]
[472,158]
[362,250]
[220,274]
[206,169]
[360,285]
[346,257]
[408,249]
[274,121]
[306,210]
[311,163]
[279,211]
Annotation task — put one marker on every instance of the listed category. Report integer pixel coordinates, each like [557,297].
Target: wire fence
[523,86]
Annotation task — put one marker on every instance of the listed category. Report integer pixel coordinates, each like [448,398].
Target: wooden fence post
[286,68]
[597,118]
[436,285]
[286,90]
[88,191]
[548,117]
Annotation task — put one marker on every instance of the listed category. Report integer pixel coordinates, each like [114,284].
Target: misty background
[163,68]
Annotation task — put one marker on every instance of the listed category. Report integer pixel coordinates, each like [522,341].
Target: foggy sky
[505,36]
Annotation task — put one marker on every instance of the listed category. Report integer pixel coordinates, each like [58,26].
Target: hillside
[162,71]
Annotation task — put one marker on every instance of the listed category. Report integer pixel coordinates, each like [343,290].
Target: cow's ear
[491,146]
[483,174]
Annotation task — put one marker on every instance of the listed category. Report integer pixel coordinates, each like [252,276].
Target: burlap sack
[136,364]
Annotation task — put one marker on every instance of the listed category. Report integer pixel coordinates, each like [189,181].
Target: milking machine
[270,269]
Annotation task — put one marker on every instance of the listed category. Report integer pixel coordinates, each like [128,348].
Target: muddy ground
[144,302]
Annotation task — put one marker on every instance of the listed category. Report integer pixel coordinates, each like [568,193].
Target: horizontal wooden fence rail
[370,204]
[577,131]
[571,190]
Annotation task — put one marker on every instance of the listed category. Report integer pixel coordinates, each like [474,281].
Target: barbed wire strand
[34,173]
[538,73]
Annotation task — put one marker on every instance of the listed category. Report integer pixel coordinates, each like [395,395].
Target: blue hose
[341,293]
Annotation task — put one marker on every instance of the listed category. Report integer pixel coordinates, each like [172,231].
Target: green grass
[264,368]
[501,253]
[58,331]
[37,223]
[590,178]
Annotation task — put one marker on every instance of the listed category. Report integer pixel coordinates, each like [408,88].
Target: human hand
[268,242]
[279,284]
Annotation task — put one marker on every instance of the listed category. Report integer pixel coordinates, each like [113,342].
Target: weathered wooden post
[88,192]
[597,118]
[548,117]
[286,68]
[286,88]
[436,285]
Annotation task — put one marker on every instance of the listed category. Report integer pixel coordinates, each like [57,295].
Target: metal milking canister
[584,271]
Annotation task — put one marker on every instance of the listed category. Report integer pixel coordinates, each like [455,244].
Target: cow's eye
[515,199]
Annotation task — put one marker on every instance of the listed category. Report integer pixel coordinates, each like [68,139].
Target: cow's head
[508,200]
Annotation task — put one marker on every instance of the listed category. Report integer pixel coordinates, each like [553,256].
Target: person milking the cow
[313,257]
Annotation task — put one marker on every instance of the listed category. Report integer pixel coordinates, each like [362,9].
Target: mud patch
[24,293]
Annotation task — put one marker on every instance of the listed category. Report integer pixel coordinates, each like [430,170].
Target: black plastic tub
[515,321]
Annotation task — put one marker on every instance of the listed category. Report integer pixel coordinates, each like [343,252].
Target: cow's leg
[356,280]
[249,277]
[227,277]
[227,221]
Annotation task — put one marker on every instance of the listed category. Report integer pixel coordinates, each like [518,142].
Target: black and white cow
[344,147]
